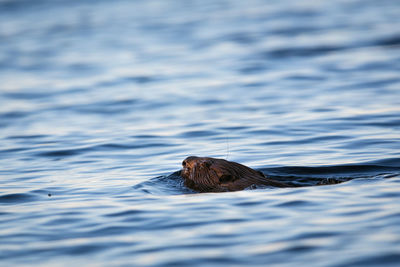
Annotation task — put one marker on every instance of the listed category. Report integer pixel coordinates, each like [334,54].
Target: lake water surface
[100,101]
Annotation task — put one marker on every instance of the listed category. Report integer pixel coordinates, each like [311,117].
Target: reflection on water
[101,101]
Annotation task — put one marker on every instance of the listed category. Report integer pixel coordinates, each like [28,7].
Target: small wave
[389,41]
[14,115]
[198,134]
[302,51]
[390,258]
[27,95]
[33,136]
[164,185]
[98,147]
[295,203]
[17,198]
[126,213]
[61,153]
[128,79]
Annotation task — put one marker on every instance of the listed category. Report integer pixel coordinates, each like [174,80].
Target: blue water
[100,101]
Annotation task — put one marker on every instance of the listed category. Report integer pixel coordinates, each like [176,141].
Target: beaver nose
[184,163]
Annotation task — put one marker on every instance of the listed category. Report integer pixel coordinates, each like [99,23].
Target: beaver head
[206,174]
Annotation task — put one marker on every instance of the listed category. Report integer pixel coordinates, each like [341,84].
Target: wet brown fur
[205,174]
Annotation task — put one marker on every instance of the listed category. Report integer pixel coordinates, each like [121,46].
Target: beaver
[204,174]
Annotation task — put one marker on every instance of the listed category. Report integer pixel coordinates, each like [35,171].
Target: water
[100,101]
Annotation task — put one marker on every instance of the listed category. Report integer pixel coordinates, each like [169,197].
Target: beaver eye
[184,163]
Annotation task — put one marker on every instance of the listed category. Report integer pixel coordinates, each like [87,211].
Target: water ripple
[17,198]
